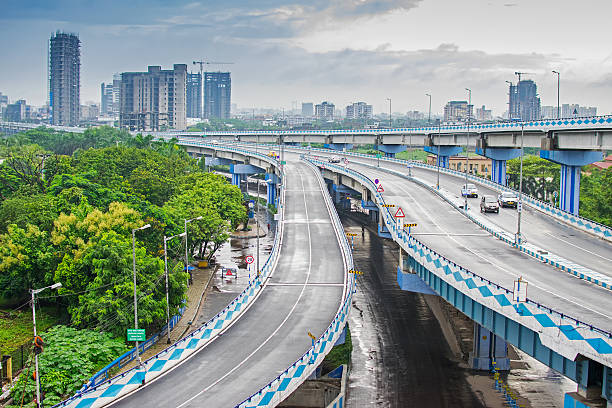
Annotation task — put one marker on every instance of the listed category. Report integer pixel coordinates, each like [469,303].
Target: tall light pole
[520,200]
[36,374]
[438,182]
[135,297]
[429,115]
[166,239]
[390,125]
[467,139]
[186,250]
[558,89]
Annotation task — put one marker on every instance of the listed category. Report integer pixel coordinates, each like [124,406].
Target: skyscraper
[154,100]
[524,103]
[194,95]
[217,94]
[64,78]
[359,110]
[106,99]
[324,111]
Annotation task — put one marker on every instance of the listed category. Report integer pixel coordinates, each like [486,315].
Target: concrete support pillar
[498,171]
[593,386]
[390,150]
[571,162]
[443,153]
[272,181]
[499,156]
[236,179]
[488,347]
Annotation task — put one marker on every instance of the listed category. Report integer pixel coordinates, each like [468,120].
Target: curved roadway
[444,229]
[303,294]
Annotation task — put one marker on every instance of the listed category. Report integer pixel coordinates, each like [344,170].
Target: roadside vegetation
[68,204]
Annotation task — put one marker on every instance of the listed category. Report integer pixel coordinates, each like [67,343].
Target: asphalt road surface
[303,295]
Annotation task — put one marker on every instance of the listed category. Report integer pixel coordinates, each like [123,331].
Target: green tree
[596,196]
[40,210]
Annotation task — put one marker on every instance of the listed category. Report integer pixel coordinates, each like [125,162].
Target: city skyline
[305,49]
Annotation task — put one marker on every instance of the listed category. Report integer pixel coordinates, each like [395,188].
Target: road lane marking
[579,247]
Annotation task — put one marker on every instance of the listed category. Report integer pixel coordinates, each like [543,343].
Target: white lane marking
[579,247]
[304,285]
[307,284]
[536,283]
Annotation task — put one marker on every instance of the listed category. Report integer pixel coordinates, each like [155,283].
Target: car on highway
[488,203]
[334,159]
[507,199]
[469,190]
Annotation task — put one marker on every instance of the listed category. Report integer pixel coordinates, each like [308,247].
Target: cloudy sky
[337,50]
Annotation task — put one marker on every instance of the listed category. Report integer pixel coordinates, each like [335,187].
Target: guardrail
[413,242]
[110,389]
[585,224]
[286,382]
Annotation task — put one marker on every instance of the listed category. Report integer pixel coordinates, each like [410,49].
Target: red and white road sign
[380,189]
[249,259]
[399,213]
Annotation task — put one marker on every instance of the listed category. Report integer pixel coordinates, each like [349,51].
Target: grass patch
[16,327]
[338,355]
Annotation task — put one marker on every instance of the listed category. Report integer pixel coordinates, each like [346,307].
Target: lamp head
[56,285]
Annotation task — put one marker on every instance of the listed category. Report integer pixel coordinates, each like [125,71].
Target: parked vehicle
[507,199]
[469,190]
[488,203]
[334,159]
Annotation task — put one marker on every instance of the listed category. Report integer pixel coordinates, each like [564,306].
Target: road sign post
[136,335]
[520,290]
[399,218]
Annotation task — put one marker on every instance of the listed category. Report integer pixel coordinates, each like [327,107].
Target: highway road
[302,295]
[445,230]
[537,228]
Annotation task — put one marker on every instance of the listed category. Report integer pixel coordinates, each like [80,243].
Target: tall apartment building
[458,111]
[217,94]
[524,103]
[64,78]
[106,99]
[359,110]
[154,100]
[307,109]
[483,114]
[194,95]
[116,95]
[324,111]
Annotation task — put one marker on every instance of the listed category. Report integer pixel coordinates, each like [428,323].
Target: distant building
[573,110]
[89,112]
[524,103]
[307,109]
[359,110]
[154,100]
[64,78]
[116,95]
[415,115]
[478,165]
[217,94]
[3,101]
[106,99]
[16,112]
[194,95]
[549,112]
[324,111]
[457,111]
[483,114]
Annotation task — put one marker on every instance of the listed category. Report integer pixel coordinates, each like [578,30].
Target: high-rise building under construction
[217,94]
[64,78]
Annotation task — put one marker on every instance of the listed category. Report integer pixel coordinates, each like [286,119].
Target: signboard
[376,181]
[283,162]
[520,291]
[356,272]
[380,189]
[249,259]
[351,234]
[399,213]
[277,217]
[136,335]
[388,205]
[410,225]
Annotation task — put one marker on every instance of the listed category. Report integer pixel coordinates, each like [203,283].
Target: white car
[334,159]
[469,190]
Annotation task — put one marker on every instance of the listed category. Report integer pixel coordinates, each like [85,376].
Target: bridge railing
[412,241]
[211,328]
[286,382]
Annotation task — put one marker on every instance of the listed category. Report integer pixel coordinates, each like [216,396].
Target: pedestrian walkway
[196,294]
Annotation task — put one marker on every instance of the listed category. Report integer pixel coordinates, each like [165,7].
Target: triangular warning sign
[380,189]
[399,213]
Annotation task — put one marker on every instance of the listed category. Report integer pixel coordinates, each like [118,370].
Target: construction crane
[522,73]
[202,63]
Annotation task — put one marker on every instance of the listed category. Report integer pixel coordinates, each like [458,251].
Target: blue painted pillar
[488,347]
[443,153]
[272,181]
[236,179]
[390,149]
[498,156]
[571,162]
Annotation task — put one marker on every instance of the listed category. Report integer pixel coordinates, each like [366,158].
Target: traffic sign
[136,335]
[409,225]
[351,234]
[519,206]
[399,213]
[283,162]
[356,272]
[249,259]
[388,205]
[380,189]
[312,336]
[520,290]
[376,181]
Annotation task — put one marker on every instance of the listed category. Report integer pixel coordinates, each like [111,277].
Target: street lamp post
[166,239]
[390,124]
[467,140]
[520,200]
[429,115]
[135,297]
[36,374]
[186,250]
[558,89]
[438,158]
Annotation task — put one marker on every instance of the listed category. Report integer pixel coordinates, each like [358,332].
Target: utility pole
[135,297]
[166,239]
[467,144]
[390,124]
[186,249]
[558,89]
[429,115]
[520,200]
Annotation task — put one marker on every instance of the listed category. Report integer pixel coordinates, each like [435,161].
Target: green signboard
[136,335]
[283,162]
